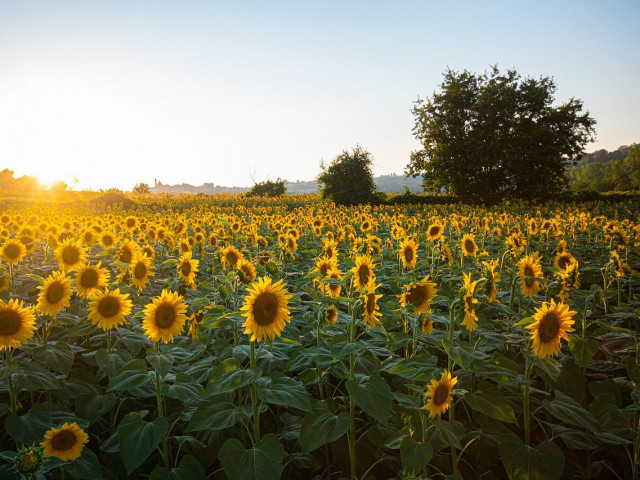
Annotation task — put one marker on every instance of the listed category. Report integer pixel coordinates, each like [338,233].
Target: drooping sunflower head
[55,294]
[70,255]
[140,270]
[529,268]
[409,253]
[65,442]
[419,295]
[363,271]
[439,394]
[267,309]
[165,316]
[468,245]
[552,322]
[108,309]
[13,251]
[246,271]
[91,278]
[17,323]
[371,307]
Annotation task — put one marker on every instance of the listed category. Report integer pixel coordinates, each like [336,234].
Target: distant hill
[385,183]
[604,156]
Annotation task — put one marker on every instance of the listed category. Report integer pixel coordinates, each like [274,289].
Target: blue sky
[116,93]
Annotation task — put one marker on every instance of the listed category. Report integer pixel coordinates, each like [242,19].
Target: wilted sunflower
[552,322]
[13,251]
[187,269]
[266,308]
[409,253]
[17,323]
[70,255]
[165,316]
[419,294]
[140,270]
[55,294]
[65,442]
[246,271]
[331,315]
[363,271]
[107,309]
[529,266]
[230,256]
[470,321]
[91,278]
[371,307]
[439,394]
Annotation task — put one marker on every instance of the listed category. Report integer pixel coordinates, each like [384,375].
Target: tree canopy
[492,136]
[348,179]
[267,189]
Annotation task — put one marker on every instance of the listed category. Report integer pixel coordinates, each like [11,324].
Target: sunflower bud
[28,461]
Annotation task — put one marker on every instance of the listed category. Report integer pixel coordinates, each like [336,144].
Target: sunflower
[333,289]
[468,245]
[529,266]
[408,253]
[435,231]
[563,260]
[470,321]
[127,251]
[140,270]
[371,307]
[490,287]
[426,323]
[187,269]
[107,309]
[4,280]
[552,322]
[324,265]
[13,251]
[439,394]
[246,271]
[17,323]
[230,256]
[91,278]
[70,255]
[165,316]
[65,442]
[107,239]
[331,315]
[55,294]
[266,308]
[363,271]
[419,294]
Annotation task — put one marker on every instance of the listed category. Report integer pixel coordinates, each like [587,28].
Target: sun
[267,309]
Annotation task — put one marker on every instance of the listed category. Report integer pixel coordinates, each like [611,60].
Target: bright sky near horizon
[120,92]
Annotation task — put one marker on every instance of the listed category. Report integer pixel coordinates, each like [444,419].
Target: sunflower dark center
[140,270]
[109,307]
[126,256]
[165,316]
[528,272]
[469,246]
[440,395]
[469,301]
[10,322]
[417,295]
[232,258]
[364,274]
[185,268]
[408,254]
[131,223]
[434,231]
[63,440]
[55,292]
[12,251]
[371,303]
[563,262]
[324,268]
[549,327]
[70,255]
[89,278]
[265,308]
[107,240]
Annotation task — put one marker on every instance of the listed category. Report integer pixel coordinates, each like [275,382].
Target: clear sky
[120,92]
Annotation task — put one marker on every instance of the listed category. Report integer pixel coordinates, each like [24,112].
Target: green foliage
[348,179]
[267,189]
[620,175]
[493,136]
[141,188]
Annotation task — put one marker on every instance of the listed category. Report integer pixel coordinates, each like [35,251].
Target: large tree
[492,136]
[348,179]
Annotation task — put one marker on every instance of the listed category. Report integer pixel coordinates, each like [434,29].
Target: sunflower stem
[352,404]
[452,323]
[525,397]
[12,391]
[165,446]
[512,295]
[254,400]
[109,341]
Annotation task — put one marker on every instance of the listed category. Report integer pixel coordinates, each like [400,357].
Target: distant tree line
[618,173]
[26,183]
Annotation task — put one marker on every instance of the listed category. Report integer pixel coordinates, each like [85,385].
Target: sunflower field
[213,337]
